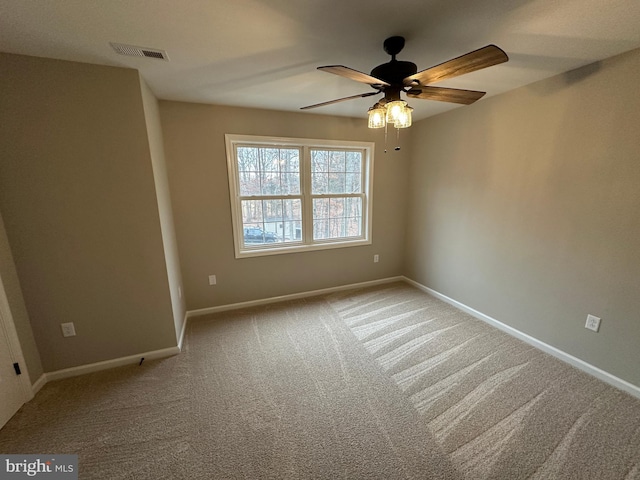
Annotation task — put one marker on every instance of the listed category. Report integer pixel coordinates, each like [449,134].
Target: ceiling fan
[397,76]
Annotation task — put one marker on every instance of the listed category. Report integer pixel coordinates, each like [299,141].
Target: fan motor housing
[395,71]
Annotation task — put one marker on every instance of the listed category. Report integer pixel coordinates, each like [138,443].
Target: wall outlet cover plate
[593,323]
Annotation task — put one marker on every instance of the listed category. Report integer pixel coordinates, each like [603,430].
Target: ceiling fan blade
[352,74]
[470,62]
[453,95]
[362,95]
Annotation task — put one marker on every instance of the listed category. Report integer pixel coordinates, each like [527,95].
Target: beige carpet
[379,383]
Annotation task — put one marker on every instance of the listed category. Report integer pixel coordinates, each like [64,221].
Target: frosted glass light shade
[395,109]
[377,117]
[404,118]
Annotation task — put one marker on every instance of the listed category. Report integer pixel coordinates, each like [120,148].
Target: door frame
[8,328]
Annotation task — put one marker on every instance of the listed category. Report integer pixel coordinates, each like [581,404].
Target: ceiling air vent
[134,51]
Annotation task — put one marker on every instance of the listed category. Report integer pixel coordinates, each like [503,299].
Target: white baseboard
[96,367]
[293,296]
[116,362]
[41,382]
[556,352]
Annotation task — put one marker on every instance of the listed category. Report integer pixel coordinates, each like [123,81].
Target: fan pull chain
[385,138]
[397,147]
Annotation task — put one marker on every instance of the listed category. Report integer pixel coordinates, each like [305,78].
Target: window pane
[336,207]
[289,171]
[292,209]
[336,227]
[354,162]
[337,218]
[336,172]
[271,221]
[321,229]
[319,161]
[354,226]
[270,183]
[319,171]
[337,161]
[291,231]
[269,159]
[272,210]
[248,171]
[353,207]
[290,159]
[336,183]
[353,183]
[321,208]
[319,182]
[290,183]
[249,182]
[271,231]
[252,211]
[268,171]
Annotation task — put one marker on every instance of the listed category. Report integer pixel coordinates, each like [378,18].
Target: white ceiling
[264,53]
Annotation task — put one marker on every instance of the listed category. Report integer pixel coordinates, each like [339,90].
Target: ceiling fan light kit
[396,77]
[396,113]
[377,116]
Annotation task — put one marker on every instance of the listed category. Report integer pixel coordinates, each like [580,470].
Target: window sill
[299,248]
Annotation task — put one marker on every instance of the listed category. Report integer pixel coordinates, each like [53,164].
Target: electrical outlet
[593,323]
[68,330]
[376,258]
[212,280]
[180,292]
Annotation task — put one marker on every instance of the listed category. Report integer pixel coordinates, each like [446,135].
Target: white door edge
[15,351]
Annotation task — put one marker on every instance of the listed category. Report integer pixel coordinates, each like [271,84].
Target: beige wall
[526,207]
[156,148]
[196,162]
[9,278]
[78,200]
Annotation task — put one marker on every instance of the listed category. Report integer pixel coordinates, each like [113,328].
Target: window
[290,195]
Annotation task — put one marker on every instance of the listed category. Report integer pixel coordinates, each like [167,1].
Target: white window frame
[232,141]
